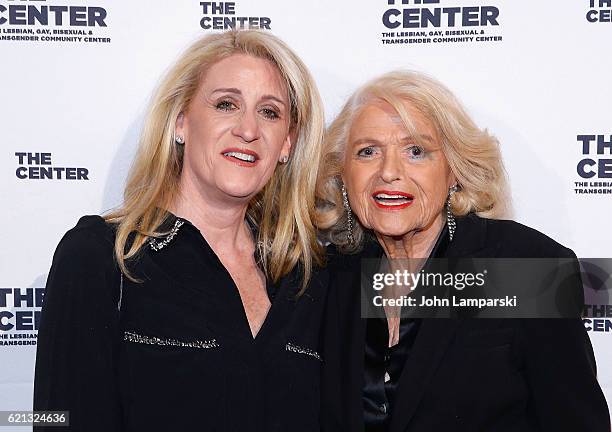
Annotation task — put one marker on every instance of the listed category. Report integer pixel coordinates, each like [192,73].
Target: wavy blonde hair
[473,154]
[283,212]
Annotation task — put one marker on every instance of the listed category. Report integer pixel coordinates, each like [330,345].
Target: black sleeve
[561,370]
[330,417]
[78,338]
[561,374]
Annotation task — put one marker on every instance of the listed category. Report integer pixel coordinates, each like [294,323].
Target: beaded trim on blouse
[152,340]
[157,244]
[301,350]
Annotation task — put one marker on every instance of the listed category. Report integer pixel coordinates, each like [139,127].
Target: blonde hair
[282,213]
[472,154]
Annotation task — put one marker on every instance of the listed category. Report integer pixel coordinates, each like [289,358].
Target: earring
[349,215]
[284,159]
[450,218]
[179,140]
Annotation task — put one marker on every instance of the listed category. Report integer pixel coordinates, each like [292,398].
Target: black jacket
[468,375]
[174,352]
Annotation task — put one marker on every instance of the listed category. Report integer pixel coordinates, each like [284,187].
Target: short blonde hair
[472,153]
[283,211]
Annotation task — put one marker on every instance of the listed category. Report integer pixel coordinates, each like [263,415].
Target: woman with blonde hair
[196,304]
[409,181]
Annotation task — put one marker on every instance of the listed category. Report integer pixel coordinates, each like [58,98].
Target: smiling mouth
[392,200]
[241,157]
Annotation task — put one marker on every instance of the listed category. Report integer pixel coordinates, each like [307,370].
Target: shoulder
[511,238]
[338,261]
[517,237]
[343,270]
[92,238]
[82,269]
[346,270]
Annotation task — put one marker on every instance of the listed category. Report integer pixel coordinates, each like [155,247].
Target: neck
[414,244]
[221,222]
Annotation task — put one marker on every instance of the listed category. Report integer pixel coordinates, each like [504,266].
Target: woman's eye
[225,105]
[366,152]
[416,152]
[269,113]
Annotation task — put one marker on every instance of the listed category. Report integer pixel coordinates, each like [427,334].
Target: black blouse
[383,365]
[174,352]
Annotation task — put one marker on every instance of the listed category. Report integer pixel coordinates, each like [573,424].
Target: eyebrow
[368,140]
[238,92]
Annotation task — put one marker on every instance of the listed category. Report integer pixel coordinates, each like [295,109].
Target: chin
[238,188]
[391,230]
[392,225]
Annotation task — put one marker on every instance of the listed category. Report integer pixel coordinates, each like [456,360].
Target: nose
[390,170]
[247,127]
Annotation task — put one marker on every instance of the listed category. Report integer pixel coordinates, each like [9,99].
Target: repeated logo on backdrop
[39,166]
[439,22]
[20,315]
[52,21]
[600,11]
[597,281]
[600,318]
[594,167]
[224,16]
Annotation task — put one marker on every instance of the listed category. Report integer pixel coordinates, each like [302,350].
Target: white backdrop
[538,88]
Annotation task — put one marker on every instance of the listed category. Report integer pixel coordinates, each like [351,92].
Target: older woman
[409,175]
[193,306]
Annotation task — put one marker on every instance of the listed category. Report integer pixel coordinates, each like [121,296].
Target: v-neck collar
[170,221]
[275,291]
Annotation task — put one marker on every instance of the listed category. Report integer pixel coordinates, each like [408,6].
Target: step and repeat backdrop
[76,77]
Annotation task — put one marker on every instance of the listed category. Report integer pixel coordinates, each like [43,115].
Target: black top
[488,375]
[383,365]
[174,352]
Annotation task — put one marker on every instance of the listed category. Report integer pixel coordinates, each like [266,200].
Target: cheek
[432,185]
[207,126]
[274,136]
[203,144]
[358,179]
[200,135]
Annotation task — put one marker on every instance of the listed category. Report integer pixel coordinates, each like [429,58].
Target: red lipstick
[392,200]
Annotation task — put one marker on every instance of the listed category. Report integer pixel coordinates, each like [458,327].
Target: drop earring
[349,215]
[450,218]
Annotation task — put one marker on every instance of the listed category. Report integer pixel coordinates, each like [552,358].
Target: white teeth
[392,199]
[386,196]
[396,203]
[242,156]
